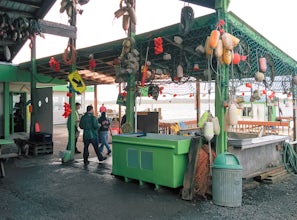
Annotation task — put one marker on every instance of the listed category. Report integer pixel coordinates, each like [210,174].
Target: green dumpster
[154,158]
[227,180]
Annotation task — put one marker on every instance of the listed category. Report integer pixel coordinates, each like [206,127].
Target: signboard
[76,82]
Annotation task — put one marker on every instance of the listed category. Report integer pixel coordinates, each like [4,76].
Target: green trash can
[227,180]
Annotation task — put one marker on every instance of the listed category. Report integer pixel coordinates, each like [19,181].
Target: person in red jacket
[102,108]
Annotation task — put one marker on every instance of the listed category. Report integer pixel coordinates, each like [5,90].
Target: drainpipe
[221,87]
[294,115]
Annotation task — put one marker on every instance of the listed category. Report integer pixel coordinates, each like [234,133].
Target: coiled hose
[289,158]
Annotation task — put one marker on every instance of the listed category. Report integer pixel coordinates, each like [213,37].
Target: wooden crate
[39,148]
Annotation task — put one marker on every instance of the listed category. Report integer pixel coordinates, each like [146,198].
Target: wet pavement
[41,187]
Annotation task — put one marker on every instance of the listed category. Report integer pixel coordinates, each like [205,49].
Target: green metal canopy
[252,45]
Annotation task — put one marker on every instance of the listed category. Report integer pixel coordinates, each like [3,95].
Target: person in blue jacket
[103,131]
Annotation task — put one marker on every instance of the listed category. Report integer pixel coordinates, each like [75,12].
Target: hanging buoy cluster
[231,116]
[210,125]
[222,44]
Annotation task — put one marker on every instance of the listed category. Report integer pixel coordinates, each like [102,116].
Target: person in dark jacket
[89,124]
[103,131]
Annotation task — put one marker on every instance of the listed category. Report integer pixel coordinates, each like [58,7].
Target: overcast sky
[274,19]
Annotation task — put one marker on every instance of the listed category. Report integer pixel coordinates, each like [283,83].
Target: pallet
[276,177]
[40,148]
[273,175]
[271,171]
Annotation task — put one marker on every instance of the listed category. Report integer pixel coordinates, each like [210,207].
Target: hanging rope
[289,158]
[69,61]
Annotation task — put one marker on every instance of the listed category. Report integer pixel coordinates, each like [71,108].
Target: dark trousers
[94,142]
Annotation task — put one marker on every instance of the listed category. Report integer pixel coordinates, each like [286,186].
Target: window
[247,111]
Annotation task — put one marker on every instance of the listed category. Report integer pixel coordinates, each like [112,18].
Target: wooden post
[95,100]
[198,111]
[190,173]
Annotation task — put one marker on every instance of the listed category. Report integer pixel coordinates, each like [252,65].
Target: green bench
[4,157]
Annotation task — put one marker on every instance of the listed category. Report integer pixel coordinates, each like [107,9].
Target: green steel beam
[11,73]
[64,88]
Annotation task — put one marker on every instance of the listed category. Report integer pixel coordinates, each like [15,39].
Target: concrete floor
[41,187]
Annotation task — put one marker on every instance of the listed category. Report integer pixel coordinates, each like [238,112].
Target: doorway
[18,115]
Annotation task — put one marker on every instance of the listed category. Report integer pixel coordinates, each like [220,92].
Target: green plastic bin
[227,180]
[153,158]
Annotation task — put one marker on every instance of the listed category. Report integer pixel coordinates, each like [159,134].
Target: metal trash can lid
[227,161]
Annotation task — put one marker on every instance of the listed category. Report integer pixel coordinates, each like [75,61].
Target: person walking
[77,132]
[103,131]
[89,124]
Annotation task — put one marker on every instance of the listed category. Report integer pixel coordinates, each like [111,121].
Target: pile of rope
[203,179]
[289,158]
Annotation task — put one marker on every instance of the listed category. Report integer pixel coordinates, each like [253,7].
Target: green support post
[71,124]
[6,110]
[33,88]
[130,101]
[131,87]
[221,93]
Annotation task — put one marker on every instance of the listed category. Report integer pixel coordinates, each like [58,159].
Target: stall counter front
[257,154]
[148,157]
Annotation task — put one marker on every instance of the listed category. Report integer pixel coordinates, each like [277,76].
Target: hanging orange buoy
[263,64]
[227,56]
[214,39]
[227,41]
[30,108]
[243,58]
[195,67]
[236,58]
[248,85]
[37,127]
[207,48]
[219,49]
